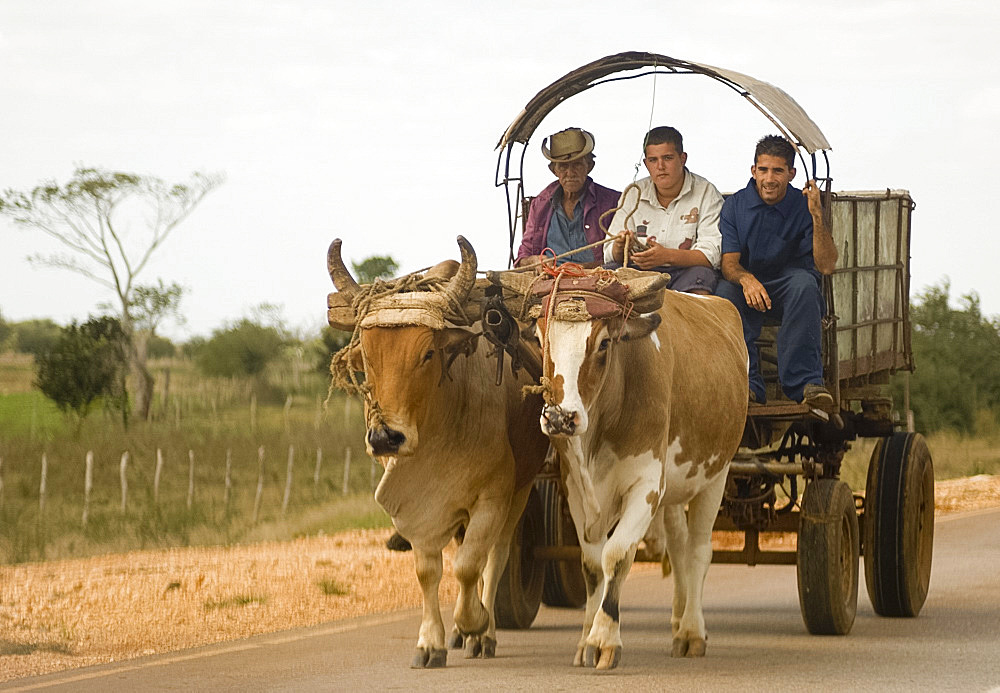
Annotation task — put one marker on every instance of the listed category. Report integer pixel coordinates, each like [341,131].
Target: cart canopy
[775,104]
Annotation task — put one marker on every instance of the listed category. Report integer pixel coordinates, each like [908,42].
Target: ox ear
[642,326]
[355,359]
[456,341]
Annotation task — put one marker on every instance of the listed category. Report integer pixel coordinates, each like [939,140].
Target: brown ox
[646,412]
[459,451]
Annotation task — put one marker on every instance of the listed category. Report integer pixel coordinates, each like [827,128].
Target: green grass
[30,414]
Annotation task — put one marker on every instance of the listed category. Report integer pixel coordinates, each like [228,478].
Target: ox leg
[485,645]
[431,651]
[471,616]
[593,577]
[690,635]
[675,523]
[590,558]
[604,644]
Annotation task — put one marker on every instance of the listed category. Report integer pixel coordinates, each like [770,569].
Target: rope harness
[591,294]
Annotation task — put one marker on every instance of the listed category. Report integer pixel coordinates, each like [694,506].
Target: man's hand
[618,247]
[811,192]
[655,256]
[755,293]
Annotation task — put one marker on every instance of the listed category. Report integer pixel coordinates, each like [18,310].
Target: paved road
[756,642]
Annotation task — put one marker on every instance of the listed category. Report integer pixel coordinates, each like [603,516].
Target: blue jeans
[797,305]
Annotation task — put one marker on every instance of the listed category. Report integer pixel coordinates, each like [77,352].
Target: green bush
[85,364]
[957,375]
[245,348]
[160,348]
[35,336]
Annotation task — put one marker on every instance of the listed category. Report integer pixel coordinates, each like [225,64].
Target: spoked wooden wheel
[519,593]
[564,584]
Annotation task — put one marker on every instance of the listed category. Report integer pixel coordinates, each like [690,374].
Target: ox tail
[665,565]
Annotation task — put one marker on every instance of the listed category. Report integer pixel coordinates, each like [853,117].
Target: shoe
[815,396]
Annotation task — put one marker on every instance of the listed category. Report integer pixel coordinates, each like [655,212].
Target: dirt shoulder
[74,613]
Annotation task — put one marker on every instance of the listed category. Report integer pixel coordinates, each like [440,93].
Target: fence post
[287,412]
[122,469]
[42,486]
[229,476]
[156,475]
[190,499]
[260,483]
[166,392]
[288,478]
[347,469]
[253,413]
[319,462]
[88,485]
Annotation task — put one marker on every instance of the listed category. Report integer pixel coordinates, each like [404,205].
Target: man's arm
[824,250]
[753,291]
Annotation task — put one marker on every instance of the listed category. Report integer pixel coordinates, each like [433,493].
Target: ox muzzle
[556,421]
[384,440]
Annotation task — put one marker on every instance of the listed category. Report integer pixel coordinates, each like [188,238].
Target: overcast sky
[376,122]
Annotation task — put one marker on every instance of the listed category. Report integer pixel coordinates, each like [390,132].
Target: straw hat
[568,145]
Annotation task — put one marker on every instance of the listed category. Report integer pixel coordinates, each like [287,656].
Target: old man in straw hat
[564,216]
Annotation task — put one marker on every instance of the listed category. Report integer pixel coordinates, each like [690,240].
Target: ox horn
[341,277]
[518,282]
[465,277]
[645,289]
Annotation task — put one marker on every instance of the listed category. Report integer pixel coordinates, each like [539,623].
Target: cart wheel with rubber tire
[519,593]
[827,558]
[899,524]
[564,584]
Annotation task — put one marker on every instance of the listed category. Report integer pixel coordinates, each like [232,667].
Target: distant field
[208,417]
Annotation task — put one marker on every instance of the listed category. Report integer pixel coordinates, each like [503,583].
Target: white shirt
[689,222]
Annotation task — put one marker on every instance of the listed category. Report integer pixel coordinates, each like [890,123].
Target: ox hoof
[429,659]
[480,646]
[695,647]
[455,640]
[602,658]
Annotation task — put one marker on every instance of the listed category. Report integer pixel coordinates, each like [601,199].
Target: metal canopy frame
[773,103]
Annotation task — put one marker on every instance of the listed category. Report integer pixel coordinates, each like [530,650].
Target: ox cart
[786,476]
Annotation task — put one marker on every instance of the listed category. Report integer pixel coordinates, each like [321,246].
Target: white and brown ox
[460,452]
[646,410]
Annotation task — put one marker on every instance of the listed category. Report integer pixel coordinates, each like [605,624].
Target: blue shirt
[567,234]
[769,238]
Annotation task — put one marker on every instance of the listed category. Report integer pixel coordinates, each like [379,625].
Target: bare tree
[111,222]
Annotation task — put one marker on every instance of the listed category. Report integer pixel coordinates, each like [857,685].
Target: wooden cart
[785,478]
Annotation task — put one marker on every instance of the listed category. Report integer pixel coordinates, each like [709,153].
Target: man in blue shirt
[774,248]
